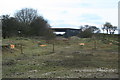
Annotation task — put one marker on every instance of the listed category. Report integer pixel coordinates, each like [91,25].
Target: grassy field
[69,60]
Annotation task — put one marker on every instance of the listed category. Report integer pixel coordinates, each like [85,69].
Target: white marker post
[20,34]
[0,49]
[119,17]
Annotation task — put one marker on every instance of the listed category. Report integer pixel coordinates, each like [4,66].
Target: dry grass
[67,61]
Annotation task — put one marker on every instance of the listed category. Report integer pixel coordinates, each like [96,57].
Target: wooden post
[20,35]
[95,45]
[95,42]
[21,49]
[53,47]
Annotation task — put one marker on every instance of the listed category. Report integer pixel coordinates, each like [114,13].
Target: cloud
[66,26]
[91,18]
[67,13]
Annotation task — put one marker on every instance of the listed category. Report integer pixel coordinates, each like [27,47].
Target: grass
[66,62]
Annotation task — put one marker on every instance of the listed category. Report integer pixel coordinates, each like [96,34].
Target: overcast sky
[68,13]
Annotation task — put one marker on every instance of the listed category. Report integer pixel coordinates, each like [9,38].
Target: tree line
[25,22]
[109,28]
[88,31]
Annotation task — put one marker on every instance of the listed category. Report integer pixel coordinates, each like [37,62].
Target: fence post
[53,47]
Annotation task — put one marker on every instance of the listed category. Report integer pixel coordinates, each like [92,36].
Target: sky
[68,13]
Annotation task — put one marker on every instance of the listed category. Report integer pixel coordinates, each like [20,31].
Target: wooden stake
[21,49]
[53,47]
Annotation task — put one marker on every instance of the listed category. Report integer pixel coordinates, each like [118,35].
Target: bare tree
[94,29]
[114,28]
[103,28]
[107,26]
[26,15]
[88,31]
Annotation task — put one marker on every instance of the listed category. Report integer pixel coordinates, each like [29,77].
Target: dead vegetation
[67,61]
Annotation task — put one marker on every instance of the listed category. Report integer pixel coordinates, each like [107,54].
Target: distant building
[68,32]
